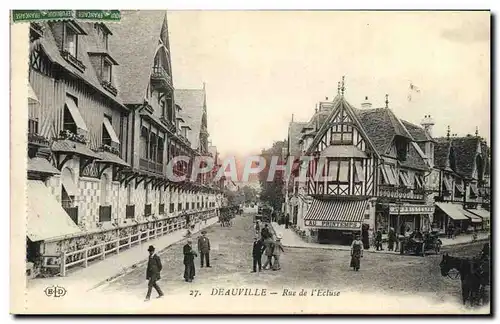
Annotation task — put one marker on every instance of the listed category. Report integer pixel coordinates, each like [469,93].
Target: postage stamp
[250,162]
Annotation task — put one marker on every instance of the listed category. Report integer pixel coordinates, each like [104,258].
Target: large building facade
[368,170]
[104,123]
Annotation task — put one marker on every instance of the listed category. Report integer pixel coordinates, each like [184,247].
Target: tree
[272,192]
[249,193]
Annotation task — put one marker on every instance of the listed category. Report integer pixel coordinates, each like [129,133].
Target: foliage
[272,192]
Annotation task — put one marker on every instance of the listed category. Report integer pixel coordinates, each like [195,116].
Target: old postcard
[250,162]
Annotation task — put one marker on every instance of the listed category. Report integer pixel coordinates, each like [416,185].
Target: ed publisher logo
[55,291]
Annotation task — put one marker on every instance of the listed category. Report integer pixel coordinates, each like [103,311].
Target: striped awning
[454,211]
[341,214]
[473,218]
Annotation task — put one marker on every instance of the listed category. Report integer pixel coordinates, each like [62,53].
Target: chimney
[366,103]
[427,123]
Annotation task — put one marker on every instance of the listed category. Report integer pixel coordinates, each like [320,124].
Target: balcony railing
[38,140]
[73,60]
[105,213]
[73,213]
[108,86]
[151,166]
[66,134]
[161,78]
[130,211]
[400,192]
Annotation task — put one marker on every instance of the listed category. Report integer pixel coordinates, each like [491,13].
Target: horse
[473,277]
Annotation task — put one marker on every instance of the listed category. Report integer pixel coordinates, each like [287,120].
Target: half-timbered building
[103,126]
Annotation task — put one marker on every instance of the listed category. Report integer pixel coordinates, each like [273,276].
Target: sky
[260,67]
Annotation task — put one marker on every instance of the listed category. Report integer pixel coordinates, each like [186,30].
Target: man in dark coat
[153,272]
[258,249]
[287,220]
[189,254]
[265,233]
[204,248]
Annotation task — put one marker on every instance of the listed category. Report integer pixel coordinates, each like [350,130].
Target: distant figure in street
[265,232]
[378,240]
[356,253]
[278,248]
[189,254]
[287,220]
[392,239]
[269,247]
[204,248]
[365,237]
[450,230]
[257,227]
[257,250]
[153,273]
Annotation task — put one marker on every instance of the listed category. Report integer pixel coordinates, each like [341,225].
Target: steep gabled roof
[382,126]
[418,133]
[133,44]
[465,150]
[89,75]
[441,152]
[294,136]
[192,103]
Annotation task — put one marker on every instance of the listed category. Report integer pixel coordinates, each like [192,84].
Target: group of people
[266,245]
[154,263]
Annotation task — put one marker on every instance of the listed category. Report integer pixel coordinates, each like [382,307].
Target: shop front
[450,215]
[410,217]
[336,221]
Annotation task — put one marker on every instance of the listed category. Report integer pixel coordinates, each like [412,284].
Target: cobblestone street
[301,268]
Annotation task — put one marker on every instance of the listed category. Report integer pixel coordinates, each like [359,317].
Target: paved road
[231,266]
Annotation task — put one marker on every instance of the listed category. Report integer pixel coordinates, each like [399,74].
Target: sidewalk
[84,279]
[290,239]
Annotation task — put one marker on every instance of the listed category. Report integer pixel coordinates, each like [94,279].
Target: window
[147,194]
[130,194]
[33,125]
[187,206]
[106,71]
[144,142]
[70,40]
[192,205]
[359,175]
[338,171]
[102,34]
[171,208]
[179,206]
[343,171]
[341,135]
[402,147]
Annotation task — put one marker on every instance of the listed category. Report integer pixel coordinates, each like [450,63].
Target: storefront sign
[333,224]
[411,209]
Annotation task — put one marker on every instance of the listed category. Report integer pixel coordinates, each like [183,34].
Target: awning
[46,217]
[447,184]
[69,183]
[107,157]
[404,179]
[41,165]
[337,214]
[454,211]
[483,213]
[75,113]
[343,151]
[32,98]
[67,146]
[111,131]
[473,218]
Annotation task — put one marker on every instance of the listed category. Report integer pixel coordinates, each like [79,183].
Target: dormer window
[102,34]
[341,135]
[69,46]
[106,71]
[402,147]
[70,40]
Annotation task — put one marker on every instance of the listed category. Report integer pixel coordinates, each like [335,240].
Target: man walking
[204,248]
[189,254]
[269,247]
[278,248]
[265,232]
[257,250]
[153,273]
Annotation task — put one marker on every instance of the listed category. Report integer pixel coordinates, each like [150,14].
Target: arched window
[104,190]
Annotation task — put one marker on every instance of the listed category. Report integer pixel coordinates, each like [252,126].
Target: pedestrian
[204,248]
[258,249]
[265,232]
[356,253]
[153,273]
[189,255]
[257,227]
[391,239]
[287,220]
[269,247]
[278,248]
[450,230]
[378,240]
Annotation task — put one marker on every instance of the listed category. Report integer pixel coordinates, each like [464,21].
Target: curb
[334,248]
[138,264]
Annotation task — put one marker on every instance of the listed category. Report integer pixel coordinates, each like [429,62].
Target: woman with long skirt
[356,253]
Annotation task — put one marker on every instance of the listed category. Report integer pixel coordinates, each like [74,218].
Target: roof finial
[316,108]
[448,133]
[338,88]
[342,90]
[292,118]
[386,100]
[477,132]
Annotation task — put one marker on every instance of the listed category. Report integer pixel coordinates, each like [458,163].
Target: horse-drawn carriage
[421,244]
[226,214]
